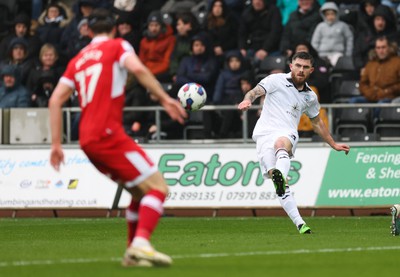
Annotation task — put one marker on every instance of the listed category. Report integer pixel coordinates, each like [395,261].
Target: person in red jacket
[156,46]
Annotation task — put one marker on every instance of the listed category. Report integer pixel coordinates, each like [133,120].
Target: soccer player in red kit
[98,72]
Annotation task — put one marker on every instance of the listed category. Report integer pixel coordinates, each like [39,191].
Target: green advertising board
[368,176]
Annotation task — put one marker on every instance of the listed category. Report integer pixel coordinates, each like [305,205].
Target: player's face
[301,71]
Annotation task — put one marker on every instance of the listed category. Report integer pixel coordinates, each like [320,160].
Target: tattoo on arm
[254,93]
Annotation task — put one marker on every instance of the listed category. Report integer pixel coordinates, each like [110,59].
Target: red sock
[151,208]
[132,215]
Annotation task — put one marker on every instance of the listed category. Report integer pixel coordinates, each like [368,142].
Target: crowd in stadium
[227,46]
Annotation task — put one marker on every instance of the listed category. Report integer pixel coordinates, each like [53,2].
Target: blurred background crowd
[227,46]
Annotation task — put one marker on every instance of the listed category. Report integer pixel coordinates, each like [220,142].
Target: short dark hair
[101,21]
[303,56]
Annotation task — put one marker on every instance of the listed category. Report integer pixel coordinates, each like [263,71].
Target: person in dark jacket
[12,93]
[300,26]
[18,55]
[202,68]
[228,92]
[21,29]
[222,27]
[260,30]
[384,24]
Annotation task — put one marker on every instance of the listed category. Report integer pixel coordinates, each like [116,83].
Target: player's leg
[283,150]
[132,214]
[154,190]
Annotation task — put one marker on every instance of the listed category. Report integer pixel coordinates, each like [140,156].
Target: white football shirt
[284,105]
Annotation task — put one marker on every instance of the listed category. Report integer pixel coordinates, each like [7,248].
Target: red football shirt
[97,73]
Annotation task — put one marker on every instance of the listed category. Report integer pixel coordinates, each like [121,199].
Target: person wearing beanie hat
[156,46]
[12,93]
[21,29]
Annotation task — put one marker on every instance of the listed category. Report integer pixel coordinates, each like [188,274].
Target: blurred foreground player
[99,74]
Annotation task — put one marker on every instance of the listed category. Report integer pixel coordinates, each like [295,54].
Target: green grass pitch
[206,247]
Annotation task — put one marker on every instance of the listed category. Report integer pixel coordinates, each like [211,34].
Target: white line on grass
[204,255]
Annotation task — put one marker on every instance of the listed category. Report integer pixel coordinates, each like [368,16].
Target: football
[192,96]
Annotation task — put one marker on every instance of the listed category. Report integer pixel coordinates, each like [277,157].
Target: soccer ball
[192,96]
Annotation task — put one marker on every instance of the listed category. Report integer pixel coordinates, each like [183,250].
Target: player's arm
[60,95]
[250,96]
[320,128]
[133,64]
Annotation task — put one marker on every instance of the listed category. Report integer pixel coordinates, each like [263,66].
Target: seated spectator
[260,30]
[300,26]
[156,46]
[126,30]
[21,29]
[12,93]
[46,69]
[228,92]
[53,22]
[222,28]
[18,55]
[362,19]
[186,27]
[320,76]
[332,38]
[384,24]
[77,43]
[380,80]
[201,67]
[72,31]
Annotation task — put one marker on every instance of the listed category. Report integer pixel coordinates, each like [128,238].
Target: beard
[299,81]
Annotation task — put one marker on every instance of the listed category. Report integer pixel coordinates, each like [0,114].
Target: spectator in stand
[286,7]
[125,30]
[300,26]
[46,70]
[222,28]
[53,22]
[21,29]
[228,92]
[320,76]
[332,38]
[12,93]
[72,31]
[201,67]
[384,24]
[380,79]
[156,46]
[186,27]
[362,19]
[18,55]
[76,43]
[260,30]
[134,10]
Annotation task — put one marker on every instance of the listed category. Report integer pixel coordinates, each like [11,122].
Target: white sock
[289,205]
[282,161]
[140,242]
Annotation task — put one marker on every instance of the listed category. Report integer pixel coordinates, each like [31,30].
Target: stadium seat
[269,64]
[347,90]
[387,125]
[342,71]
[351,122]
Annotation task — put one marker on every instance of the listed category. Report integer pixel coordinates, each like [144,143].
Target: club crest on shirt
[307,98]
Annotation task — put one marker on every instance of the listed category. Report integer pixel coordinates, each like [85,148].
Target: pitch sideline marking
[204,255]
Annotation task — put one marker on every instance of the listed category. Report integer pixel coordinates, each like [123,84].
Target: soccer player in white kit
[287,97]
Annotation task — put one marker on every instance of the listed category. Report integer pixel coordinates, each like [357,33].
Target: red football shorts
[120,158]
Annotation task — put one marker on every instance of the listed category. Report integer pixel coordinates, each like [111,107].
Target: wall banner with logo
[209,177]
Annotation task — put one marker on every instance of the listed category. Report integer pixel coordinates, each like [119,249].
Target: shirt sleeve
[68,76]
[313,108]
[124,50]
